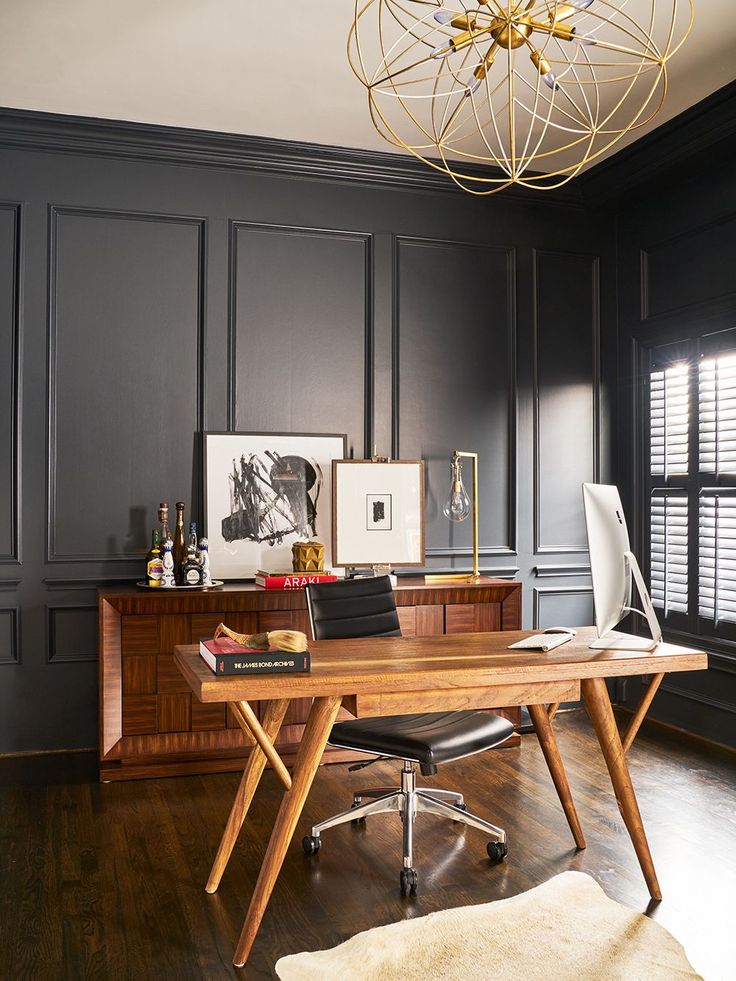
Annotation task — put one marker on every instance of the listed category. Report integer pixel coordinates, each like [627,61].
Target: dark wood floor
[106,881]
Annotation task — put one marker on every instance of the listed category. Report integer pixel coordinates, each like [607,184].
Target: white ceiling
[243,67]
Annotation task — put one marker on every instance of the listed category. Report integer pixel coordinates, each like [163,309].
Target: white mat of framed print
[263,492]
[377,512]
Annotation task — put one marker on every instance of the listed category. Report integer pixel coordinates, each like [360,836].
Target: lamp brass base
[452,577]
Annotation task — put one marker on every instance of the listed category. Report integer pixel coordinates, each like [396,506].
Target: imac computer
[613,567]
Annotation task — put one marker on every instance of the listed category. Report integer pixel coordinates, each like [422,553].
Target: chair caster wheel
[497,850]
[358,820]
[311,844]
[408,879]
[460,807]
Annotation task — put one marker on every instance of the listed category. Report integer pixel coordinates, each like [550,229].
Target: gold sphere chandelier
[534,89]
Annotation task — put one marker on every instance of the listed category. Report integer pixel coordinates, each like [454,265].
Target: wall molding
[122,140]
[53,658]
[692,696]
[54,213]
[539,592]
[512,405]
[15,655]
[595,263]
[665,149]
[14,556]
[563,570]
[366,238]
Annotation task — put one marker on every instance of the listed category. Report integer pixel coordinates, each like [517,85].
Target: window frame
[693,484]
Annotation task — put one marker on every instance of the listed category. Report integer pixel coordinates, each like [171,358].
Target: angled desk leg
[316,732]
[598,704]
[641,711]
[272,720]
[547,741]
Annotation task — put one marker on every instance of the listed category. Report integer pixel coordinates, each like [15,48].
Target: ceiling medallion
[534,89]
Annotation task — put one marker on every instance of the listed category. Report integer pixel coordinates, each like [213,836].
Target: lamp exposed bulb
[457,505]
[550,79]
[444,16]
[588,38]
[580,4]
[474,84]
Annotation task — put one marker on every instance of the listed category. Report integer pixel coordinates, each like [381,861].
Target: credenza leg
[272,719]
[547,741]
[316,732]
[599,709]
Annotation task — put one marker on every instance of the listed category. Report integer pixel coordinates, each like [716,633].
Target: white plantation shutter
[668,420]
[668,550]
[717,414]
[717,548]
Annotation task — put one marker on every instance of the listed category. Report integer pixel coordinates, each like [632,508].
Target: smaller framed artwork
[377,512]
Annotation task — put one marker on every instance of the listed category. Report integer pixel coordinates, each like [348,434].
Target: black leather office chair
[366,608]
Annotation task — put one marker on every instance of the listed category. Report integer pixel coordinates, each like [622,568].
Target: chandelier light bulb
[548,105]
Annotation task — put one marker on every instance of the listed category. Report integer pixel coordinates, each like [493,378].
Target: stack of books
[225,656]
[291,580]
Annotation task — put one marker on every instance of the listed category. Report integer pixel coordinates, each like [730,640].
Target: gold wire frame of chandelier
[590,74]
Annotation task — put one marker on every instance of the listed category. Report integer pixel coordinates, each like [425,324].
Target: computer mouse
[560,630]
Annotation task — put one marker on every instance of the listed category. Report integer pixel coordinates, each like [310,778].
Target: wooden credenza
[150,725]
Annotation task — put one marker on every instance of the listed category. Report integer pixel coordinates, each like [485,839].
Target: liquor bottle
[154,562]
[204,561]
[167,579]
[163,519]
[193,539]
[191,573]
[180,545]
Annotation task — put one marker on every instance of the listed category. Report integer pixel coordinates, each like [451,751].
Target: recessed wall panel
[9,646]
[454,380]
[300,331]
[689,268]
[124,378]
[9,338]
[560,607]
[566,396]
[72,633]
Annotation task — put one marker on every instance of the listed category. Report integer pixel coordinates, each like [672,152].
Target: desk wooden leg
[641,711]
[599,709]
[547,741]
[316,732]
[272,719]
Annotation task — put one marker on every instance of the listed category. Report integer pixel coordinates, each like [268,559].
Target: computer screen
[612,566]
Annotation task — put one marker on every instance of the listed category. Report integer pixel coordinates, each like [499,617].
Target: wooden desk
[374,676]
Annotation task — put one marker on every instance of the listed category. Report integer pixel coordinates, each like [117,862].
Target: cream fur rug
[565,929]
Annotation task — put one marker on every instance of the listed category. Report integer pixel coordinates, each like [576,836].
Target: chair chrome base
[408,801]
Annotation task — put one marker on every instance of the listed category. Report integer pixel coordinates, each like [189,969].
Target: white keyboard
[540,642]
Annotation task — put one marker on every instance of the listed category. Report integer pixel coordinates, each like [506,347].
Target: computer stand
[615,641]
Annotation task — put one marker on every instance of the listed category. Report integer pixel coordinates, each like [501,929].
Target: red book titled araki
[226,656]
[296,580]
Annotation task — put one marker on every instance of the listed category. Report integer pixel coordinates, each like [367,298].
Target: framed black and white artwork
[377,512]
[263,492]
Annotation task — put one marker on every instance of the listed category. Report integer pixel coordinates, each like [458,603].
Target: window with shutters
[691,484]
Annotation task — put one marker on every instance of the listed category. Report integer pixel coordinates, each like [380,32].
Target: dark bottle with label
[154,561]
[192,573]
[180,545]
[193,542]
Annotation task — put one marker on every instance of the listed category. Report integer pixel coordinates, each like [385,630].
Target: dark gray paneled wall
[676,256]
[159,294]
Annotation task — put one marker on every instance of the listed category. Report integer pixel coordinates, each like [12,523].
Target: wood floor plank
[107,881]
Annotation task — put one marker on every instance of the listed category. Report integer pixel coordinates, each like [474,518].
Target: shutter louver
[668,419]
[717,547]
[717,414]
[668,552]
